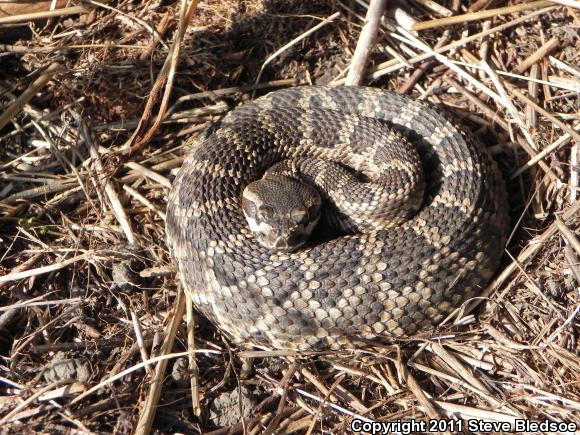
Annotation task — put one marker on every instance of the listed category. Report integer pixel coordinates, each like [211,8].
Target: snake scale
[390,279]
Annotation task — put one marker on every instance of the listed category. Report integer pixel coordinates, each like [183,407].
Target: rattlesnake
[399,274]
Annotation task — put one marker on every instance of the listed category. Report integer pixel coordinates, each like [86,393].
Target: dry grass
[75,181]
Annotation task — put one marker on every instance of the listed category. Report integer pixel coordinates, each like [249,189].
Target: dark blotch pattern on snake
[386,281]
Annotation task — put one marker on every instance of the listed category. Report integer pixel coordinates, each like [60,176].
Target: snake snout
[285,241]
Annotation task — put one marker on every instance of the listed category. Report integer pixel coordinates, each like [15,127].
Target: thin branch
[61,264]
[365,43]
[28,94]
[35,16]
[481,15]
[538,54]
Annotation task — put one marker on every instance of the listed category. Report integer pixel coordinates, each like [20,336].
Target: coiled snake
[394,272]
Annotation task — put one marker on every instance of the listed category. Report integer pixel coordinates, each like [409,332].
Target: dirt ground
[96,101]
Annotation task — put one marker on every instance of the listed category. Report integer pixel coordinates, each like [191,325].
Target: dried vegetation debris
[60,298]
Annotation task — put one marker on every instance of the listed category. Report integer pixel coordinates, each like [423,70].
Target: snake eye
[265,212]
[297,216]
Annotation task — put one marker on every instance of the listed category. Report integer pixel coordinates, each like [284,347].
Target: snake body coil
[385,281]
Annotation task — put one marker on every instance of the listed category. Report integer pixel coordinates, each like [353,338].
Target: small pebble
[62,368]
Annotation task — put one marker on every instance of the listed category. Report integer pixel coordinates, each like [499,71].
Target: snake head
[281,211]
